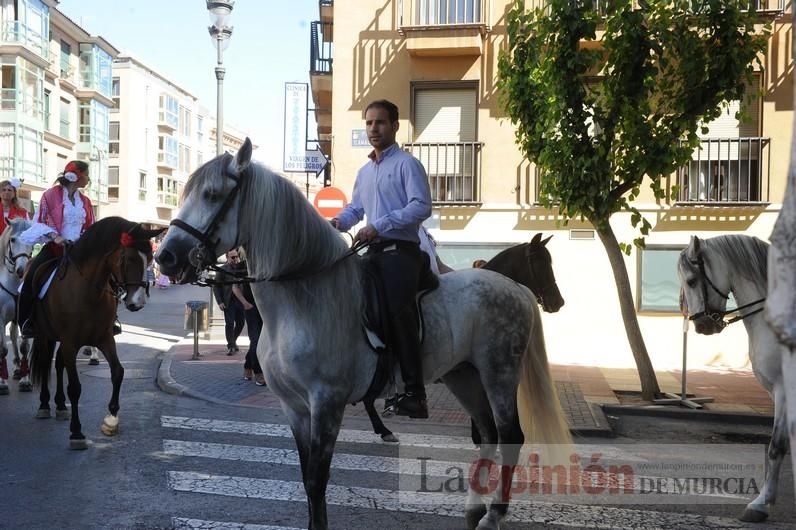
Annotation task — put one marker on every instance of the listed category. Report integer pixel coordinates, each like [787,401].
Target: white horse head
[15,253]
[712,269]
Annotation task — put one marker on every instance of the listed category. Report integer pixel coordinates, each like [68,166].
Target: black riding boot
[412,402]
[25,304]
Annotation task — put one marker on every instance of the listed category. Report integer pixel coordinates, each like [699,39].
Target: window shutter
[445,115]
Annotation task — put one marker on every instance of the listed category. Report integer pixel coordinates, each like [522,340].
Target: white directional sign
[295,127]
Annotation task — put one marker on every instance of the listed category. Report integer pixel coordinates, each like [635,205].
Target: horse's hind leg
[69,353]
[3,366]
[61,412]
[110,425]
[42,360]
[465,384]
[378,426]
[21,354]
[757,510]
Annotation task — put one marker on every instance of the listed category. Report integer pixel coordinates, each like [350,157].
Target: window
[461,256]
[199,130]
[64,127]
[66,68]
[169,109]
[46,110]
[95,69]
[113,139]
[730,163]
[659,286]
[167,151]
[113,183]
[185,121]
[185,158]
[94,120]
[142,186]
[116,92]
[167,191]
[444,140]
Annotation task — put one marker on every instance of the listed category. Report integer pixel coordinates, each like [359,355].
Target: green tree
[599,116]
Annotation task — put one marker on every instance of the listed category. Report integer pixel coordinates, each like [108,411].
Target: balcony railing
[326,3]
[765,7]
[14,32]
[321,48]
[443,12]
[453,168]
[726,170]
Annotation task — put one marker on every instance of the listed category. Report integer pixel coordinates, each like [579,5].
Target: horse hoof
[93,362]
[78,444]
[753,516]
[25,387]
[42,414]
[389,438]
[4,390]
[110,426]
[62,415]
[474,515]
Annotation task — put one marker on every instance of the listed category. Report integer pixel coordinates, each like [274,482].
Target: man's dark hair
[389,106]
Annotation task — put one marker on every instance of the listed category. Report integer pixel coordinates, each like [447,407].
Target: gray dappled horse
[711,269]
[483,332]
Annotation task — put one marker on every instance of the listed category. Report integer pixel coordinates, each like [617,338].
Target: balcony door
[727,166]
[444,139]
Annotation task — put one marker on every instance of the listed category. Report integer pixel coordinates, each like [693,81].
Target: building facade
[158,134]
[56,98]
[437,60]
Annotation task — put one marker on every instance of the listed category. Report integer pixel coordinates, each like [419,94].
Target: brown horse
[106,264]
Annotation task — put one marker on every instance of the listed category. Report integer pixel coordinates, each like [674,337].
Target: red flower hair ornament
[126,239]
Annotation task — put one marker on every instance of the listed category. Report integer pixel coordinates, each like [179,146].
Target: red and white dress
[56,213]
[12,213]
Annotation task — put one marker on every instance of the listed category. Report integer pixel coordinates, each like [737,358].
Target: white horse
[15,257]
[483,332]
[711,269]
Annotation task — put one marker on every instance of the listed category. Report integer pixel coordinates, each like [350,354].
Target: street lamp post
[220,32]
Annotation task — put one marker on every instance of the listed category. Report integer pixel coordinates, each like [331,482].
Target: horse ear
[149,234]
[545,240]
[693,248]
[244,156]
[536,239]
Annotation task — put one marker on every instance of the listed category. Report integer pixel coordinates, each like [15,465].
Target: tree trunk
[649,382]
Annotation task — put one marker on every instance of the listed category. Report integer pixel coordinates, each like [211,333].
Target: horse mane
[498,258]
[103,237]
[747,255]
[283,235]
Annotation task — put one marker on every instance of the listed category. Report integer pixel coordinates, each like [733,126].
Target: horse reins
[718,316]
[11,263]
[529,256]
[199,254]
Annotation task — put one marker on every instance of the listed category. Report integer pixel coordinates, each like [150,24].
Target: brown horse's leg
[375,421]
[69,353]
[61,412]
[110,425]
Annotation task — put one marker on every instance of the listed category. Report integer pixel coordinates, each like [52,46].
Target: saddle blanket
[44,287]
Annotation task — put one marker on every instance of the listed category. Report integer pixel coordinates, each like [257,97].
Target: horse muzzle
[705,324]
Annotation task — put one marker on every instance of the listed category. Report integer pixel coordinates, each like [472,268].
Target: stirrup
[117,328]
[27,330]
[411,405]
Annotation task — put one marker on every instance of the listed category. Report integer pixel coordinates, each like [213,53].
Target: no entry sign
[330,201]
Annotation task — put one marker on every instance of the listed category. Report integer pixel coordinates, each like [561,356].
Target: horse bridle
[203,253]
[11,259]
[529,254]
[123,287]
[718,316]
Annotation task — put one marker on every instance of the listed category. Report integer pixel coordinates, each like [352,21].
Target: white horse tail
[541,416]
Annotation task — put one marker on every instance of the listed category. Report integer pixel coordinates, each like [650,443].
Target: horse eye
[691,282]
[210,195]
[13,240]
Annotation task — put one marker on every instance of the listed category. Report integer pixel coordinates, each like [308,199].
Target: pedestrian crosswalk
[202,445]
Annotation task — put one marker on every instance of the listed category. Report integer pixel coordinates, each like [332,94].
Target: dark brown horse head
[531,265]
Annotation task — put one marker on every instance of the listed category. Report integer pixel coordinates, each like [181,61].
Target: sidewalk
[585,391]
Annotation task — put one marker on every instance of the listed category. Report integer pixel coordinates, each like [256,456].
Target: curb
[659,411]
[168,385]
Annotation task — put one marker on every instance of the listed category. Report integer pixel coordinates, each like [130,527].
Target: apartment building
[437,60]
[158,133]
[56,97]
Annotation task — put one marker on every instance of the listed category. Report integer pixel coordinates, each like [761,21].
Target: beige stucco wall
[371,61]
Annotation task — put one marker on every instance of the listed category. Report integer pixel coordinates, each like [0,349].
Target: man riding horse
[392,191]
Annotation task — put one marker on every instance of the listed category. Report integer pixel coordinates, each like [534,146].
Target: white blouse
[74,217]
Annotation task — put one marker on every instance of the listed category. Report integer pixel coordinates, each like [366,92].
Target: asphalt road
[184,463]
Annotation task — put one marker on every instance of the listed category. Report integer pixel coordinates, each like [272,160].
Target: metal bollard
[196,318]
